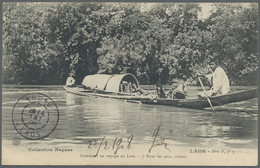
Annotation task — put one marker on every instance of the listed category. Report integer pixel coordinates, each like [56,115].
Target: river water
[84,118]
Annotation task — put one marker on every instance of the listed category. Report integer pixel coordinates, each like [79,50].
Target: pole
[206,94]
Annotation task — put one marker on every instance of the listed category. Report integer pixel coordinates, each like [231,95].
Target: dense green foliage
[44,42]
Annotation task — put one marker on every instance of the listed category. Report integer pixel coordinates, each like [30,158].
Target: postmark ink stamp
[35,116]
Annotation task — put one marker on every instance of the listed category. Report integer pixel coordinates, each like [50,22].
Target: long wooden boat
[119,86]
[195,103]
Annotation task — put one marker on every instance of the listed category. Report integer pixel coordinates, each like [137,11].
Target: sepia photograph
[121,83]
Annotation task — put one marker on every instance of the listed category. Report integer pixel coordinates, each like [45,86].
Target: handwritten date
[117,144]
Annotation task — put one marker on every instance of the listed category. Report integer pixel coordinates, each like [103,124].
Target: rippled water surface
[82,118]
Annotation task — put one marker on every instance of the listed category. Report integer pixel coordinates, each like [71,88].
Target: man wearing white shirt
[70,81]
[219,82]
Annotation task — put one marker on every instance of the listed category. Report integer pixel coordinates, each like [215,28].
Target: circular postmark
[35,116]
[16,141]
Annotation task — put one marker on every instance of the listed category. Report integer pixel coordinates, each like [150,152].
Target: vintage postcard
[130,84]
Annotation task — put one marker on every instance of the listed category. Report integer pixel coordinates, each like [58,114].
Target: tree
[24,35]
[44,42]
[144,42]
[234,42]
[76,33]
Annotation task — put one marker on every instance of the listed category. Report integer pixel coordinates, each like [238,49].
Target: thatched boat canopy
[111,83]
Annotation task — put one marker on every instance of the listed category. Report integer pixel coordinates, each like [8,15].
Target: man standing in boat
[218,80]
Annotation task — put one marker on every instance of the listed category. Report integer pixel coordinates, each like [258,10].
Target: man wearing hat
[70,81]
[218,80]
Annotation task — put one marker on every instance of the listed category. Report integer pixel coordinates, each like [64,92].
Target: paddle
[206,94]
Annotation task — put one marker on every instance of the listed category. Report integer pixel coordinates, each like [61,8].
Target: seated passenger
[70,82]
[123,87]
[178,90]
[159,90]
[137,90]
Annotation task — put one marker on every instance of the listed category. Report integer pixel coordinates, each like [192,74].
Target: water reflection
[186,126]
[70,99]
